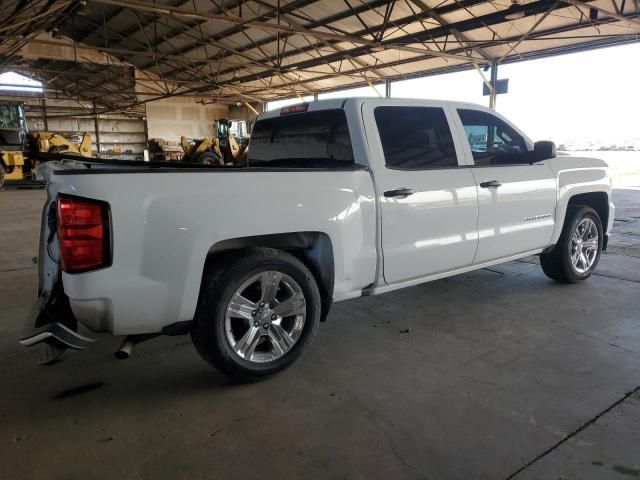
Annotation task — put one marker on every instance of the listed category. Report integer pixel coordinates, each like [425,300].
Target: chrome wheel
[584,246]
[265,317]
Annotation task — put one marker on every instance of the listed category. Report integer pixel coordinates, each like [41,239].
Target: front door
[516,199]
[427,193]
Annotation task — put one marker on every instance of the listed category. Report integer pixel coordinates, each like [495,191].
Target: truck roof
[339,103]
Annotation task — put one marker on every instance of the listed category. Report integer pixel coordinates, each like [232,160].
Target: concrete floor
[501,374]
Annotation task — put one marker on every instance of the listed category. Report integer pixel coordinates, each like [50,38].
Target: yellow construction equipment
[228,147]
[160,150]
[52,142]
[13,142]
[21,151]
[232,140]
[204,151]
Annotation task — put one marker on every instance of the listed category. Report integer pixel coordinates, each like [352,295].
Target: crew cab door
[516,199]
[426,193]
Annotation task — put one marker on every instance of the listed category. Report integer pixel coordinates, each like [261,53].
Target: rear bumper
[52,322]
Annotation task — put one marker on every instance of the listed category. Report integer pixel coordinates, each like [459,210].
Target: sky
[580,97]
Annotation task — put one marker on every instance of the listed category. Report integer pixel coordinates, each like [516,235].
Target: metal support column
[315,96]
[45,121]
[96,129]
[493,81]
[146,127]
[387,88]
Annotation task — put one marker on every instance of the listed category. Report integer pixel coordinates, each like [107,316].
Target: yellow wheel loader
[203,151]
[228,147]
[232,140]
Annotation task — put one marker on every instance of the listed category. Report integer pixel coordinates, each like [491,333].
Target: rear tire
[577,253]
[265,329]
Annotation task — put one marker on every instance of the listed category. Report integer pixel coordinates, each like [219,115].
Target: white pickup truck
[339,199]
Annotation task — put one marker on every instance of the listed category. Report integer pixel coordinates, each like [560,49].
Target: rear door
[426,192]
[516,199]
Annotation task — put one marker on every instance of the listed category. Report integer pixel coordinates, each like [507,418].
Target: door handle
[490,184]
[398,192]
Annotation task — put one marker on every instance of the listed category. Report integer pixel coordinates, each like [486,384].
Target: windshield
[237,128]
[9,116]
[304,140]
[223,128]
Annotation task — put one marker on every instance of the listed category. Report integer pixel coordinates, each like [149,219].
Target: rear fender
[578,180]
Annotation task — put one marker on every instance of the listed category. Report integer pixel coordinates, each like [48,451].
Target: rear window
[305,140]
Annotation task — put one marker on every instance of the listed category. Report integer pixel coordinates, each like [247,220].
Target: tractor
[20,151]
[228,147]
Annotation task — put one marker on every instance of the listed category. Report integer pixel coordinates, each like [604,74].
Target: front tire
[210,158]
[258,312]
[577,253]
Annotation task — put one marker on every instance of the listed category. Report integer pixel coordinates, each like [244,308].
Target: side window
[492,140]
[415,138]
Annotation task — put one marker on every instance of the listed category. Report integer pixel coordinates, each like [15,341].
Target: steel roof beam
[131,31]
[461,37]
[289,29]
[488,43]
[628,21]
[325,21]
[290,7]
[493,18]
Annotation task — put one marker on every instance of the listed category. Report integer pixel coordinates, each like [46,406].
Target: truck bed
[166,222]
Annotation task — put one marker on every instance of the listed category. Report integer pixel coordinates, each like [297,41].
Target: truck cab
[14,137]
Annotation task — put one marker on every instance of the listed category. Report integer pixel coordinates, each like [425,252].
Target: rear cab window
[415,138]
[316,139]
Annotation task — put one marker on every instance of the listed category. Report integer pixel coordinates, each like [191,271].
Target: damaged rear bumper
[56,335]
[51,321]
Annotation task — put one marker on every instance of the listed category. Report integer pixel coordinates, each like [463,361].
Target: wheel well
[599,201]
[314,249]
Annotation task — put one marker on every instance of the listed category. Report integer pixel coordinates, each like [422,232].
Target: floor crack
[598,339]
[574,433]
[233,422]
[397,454]
[615,278]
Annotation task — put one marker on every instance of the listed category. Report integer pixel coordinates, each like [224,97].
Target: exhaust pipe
[125,349]
[131,341]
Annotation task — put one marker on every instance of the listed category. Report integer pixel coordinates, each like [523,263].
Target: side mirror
[543,150]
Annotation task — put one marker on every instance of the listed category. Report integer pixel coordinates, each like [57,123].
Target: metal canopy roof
[260,50]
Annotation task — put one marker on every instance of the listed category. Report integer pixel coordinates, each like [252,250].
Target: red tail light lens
[299,108]
[83,234]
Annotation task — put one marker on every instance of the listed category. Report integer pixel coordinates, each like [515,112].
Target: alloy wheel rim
[584,245]
[265,317]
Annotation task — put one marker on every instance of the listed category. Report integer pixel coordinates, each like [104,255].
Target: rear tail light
[83,234]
